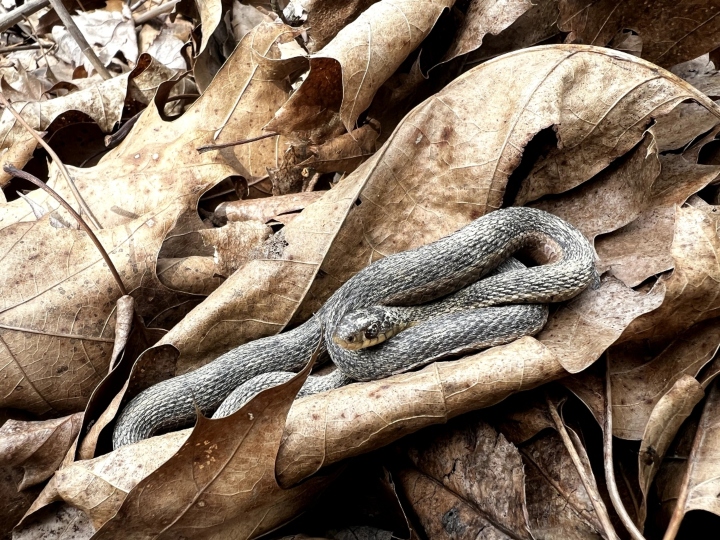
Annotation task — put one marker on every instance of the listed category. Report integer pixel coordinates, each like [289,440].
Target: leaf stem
[81,222]
[608,460]
[588,482]
[208,147]
[56,159]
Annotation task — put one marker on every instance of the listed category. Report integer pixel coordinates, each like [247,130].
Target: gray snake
[412,277]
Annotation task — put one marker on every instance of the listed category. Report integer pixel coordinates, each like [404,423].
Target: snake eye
[372,331]
[350,339]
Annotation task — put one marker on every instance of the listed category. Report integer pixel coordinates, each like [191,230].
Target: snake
[480,297]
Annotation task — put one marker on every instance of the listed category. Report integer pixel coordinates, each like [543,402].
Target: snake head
[364,328]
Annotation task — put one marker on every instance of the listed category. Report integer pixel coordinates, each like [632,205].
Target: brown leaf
[420,192]
[484,17]
[640,249]
[638,388]
[222,480]
[691,291]
[693,484]
[51,363]
[62,523]
[158,162]
[194,274]
[325,18]
[671,31]
[476,465]
[38,447]
[536,25]
[345,75]
[558,503]
[263,210]
[665,420]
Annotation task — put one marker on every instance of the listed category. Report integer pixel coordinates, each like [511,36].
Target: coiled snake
[491,311]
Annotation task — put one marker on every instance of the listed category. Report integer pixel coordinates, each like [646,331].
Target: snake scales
[497,314]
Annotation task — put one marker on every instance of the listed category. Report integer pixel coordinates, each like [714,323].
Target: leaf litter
[316,167]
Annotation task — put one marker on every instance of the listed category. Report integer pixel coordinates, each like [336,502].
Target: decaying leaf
[671,31]
[263,210]
[473,478]
[346,73]
[692,483]
[557,502]
[37,446]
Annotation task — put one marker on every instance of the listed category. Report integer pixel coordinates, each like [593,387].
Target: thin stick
[208,147]
[29,47]
[18,14]
[83,205]
[597,502]
[151,13]
[609,469]
[79,38]
[81,222]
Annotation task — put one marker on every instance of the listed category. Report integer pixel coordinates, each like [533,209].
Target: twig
[208,147]
[18,14]
[79,38]
[597,502]
[54,156]
[151,13]
[29,47]
[609,469]
[63,170]
[81,222]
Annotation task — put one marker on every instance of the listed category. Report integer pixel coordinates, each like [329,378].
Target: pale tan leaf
[37,447]
[665,420]
[263,210]
[346,73]
[637,389]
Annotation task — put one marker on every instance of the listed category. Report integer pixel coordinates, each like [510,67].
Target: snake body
[412,277]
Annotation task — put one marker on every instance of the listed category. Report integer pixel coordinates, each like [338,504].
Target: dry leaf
[472,472]
[345,75]
[108,32]
[671,31]
[484,17]
[37,447]
[57,319]
[325,18]
[222,480]
[557,502]
[63,523]
[699,485]
[637,389]
[665,420]
[691,291]
[263,210]
[423,179]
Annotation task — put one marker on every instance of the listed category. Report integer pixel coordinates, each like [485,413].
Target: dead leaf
[450,138]
[665,420]
[38,447]
[51,363]
[637,389]
[158,161]
[194,275]
[557,502]
[481,18]
[263,210]
[472,471]
[692,483]
[671,31]
[63,523]
[346,73]
[325,18]
[691,292]
[108,32]
[222,480]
